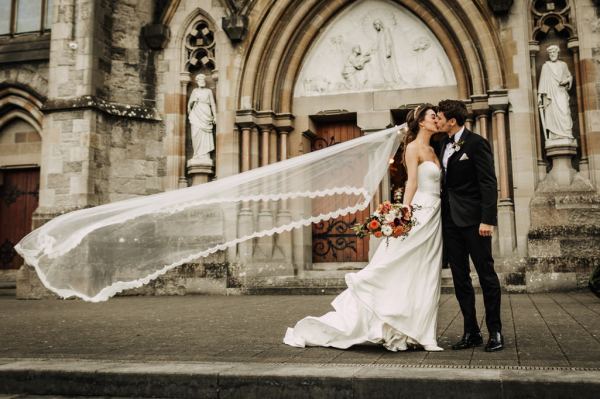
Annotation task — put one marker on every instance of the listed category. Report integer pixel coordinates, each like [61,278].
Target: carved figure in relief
[354,72]
[384,51]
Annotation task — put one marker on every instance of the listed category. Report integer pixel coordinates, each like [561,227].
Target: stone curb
[260,380]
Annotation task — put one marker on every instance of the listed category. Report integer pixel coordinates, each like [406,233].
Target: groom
[469,214]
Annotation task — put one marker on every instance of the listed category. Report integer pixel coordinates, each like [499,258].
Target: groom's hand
[486,230]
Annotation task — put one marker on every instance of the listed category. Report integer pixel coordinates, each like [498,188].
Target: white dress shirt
[450,148]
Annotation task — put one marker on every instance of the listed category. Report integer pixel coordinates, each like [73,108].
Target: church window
[24,16]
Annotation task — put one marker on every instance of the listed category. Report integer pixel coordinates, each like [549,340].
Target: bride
[394,299]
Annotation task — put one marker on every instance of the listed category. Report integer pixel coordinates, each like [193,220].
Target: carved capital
[245,118]
[284,122]
[498,100]
[479,104]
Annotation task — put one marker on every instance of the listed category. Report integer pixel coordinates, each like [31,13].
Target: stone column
[245,220]
[481,110]
[182,124]
[284,216]
[254,148]
[507,239]
[284,124]
[534,48]
[584,166]
[469,123]
[482,129]
[264,245]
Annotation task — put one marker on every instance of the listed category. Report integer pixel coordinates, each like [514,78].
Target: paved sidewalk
[541,330]
[230,347]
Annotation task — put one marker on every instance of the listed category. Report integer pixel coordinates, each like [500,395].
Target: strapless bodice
[428,178]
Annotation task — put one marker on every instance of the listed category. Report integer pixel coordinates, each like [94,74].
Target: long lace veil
[97,252]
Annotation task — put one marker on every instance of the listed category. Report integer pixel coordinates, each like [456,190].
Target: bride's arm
[412,162]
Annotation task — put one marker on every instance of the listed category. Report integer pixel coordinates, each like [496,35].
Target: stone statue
[354,72]
[386,59]
[201,114]
[553,98]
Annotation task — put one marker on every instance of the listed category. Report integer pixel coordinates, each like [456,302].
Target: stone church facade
[94,109]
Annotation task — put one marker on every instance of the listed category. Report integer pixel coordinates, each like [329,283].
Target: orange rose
[398,231]
[378,234]
[373,225]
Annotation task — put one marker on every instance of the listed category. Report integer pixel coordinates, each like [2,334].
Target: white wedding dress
[394,299]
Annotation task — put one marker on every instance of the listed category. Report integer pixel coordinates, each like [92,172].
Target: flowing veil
[97,252]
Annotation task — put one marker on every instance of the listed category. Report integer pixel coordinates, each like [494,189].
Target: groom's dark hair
[454,109]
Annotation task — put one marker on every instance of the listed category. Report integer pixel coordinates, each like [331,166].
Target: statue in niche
[553,98]
[201,114]
[354,72]
[386,59]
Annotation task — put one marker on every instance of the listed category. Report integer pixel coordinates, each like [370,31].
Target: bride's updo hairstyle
[414,117]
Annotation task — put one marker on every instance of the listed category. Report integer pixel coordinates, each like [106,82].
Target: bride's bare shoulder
[412,146]
[416,147]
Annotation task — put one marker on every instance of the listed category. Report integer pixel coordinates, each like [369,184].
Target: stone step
[325,282]
[8,288]
[251,380]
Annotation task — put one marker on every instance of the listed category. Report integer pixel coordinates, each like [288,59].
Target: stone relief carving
[355,72]
[374,45]
[553,98]
[385,53]
[431,62]
[201,114]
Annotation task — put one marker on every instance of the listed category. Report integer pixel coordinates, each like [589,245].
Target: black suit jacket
[469,186]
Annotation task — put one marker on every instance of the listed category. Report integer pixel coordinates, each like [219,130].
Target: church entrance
[334,241]
[19,190]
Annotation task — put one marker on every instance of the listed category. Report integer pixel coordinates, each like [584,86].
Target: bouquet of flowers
[389,220]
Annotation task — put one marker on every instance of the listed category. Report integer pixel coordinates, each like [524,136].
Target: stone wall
[131,79]
[137,164]
[114,124]
[33,75]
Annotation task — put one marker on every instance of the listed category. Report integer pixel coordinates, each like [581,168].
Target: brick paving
[543,330]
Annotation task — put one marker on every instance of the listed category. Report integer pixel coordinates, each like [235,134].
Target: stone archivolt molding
[21,102]
[370,46]
[284,32]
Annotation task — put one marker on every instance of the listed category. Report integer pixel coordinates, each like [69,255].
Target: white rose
[390,217]
[386,230]
[376,214]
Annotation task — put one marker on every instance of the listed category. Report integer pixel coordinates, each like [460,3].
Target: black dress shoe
[495,343]
[468,340]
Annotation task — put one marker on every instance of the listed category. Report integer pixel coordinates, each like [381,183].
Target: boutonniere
[457,145]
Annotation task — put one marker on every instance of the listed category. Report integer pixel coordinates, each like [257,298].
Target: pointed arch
[19,101]
[284,32]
